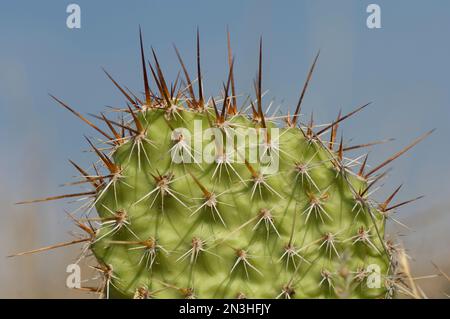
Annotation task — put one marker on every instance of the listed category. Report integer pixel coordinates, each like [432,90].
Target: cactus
[294,221]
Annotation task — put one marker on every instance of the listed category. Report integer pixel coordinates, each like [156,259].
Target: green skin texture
[210,276]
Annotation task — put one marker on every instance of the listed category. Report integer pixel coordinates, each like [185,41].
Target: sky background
[403,68]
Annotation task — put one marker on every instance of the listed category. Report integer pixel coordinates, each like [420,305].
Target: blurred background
[402,67]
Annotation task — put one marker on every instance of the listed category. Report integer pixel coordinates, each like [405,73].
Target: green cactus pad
[191,229]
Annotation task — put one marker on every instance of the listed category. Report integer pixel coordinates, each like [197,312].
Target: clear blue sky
[403,68]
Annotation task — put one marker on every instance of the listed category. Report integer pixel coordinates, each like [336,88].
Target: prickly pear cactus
[200,199]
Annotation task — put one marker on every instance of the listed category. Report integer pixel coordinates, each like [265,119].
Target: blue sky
[403,68]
